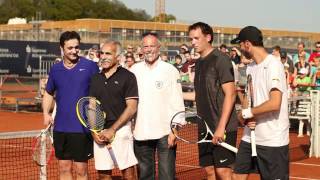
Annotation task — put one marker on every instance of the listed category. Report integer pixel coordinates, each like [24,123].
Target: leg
[211,175]
[105,174]
[243,164]
[81,170]
[145,151]
[166,159]
[65,167]
[129,173]
[224,173]
[223,158]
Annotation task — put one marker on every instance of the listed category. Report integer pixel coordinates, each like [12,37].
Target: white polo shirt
[272,128]
[160,97]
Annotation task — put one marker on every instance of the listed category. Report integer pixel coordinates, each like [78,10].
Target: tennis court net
[16,160]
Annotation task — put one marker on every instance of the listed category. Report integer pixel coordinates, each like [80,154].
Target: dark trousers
[145,153]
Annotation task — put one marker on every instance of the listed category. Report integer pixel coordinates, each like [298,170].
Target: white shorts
[121,153]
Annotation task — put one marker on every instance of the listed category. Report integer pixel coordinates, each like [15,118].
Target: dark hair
[223,46]
[177,57]
[67,35]
[277,47]
[150,33]
[301,43]
[205,29]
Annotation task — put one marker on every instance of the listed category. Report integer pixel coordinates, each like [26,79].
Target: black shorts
[271,162]
[218,156]
[73,146]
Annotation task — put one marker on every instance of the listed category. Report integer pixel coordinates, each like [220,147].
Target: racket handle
[229,147]
[253,143]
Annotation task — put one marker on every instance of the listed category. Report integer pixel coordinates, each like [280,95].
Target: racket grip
[229,147]
[253,143]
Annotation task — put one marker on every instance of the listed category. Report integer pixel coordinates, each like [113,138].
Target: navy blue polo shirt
[113,92]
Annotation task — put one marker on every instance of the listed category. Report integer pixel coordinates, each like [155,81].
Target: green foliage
[69,9]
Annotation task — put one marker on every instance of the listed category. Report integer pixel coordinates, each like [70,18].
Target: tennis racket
[90,114]
[42,147]
[249,92]
[188,127]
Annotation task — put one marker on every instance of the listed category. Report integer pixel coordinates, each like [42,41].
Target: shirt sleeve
[176,99]
[276,76]
[131,90]
[225,69]
[50,87]
[93,88]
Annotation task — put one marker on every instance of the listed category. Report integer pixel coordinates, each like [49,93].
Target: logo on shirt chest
[159,84]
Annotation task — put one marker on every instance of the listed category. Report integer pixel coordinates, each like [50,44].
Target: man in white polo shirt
[160,97]
[269,115]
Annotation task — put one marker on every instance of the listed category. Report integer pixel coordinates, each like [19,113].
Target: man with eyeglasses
[316,53]
[160,95]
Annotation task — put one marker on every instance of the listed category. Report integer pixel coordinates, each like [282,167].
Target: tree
[71,9]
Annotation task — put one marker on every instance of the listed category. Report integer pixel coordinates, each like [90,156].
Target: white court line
[305,164]
[302,178]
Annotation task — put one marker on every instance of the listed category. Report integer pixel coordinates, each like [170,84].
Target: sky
[289,15]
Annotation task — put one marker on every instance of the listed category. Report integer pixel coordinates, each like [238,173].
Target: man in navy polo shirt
[117,90]
[69,81]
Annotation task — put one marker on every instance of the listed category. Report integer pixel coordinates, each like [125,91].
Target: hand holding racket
[190,128]
[91,115]
[42,147]
[248,116]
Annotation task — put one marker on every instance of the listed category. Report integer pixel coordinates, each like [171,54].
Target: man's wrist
[247,113]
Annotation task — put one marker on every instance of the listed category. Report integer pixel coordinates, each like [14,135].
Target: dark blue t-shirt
[70,85]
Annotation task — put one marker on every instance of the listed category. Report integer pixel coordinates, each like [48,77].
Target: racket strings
[91,113]
[43,149]
[188,127]
[95,117]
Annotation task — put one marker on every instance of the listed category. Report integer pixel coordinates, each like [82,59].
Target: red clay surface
[301,167]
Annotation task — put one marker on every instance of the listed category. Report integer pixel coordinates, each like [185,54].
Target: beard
[151,57]
[246,54]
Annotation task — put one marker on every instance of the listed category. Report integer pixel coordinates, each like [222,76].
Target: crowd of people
[141,90]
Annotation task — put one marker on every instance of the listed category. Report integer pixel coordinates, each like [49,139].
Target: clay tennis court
[301,166]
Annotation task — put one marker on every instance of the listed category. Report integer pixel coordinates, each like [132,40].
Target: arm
[189,96]
[127,114]
[228,105]
[273,104]
[46,106]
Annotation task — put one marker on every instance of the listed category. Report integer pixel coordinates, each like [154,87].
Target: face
[151,48]
[108,56]
[129,61]
[245,48]
[71,50]
[199,41]
[187,56]
[275,52]
[318,47]
[300,48]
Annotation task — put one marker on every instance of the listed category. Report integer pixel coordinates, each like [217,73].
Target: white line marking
[305,164]
[302,178]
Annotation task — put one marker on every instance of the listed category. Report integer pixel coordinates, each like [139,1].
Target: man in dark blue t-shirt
[69,81]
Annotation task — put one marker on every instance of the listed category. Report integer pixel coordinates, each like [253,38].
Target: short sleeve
[225,69]
[131,90]
[93,86]
[276,76]
[50,87]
